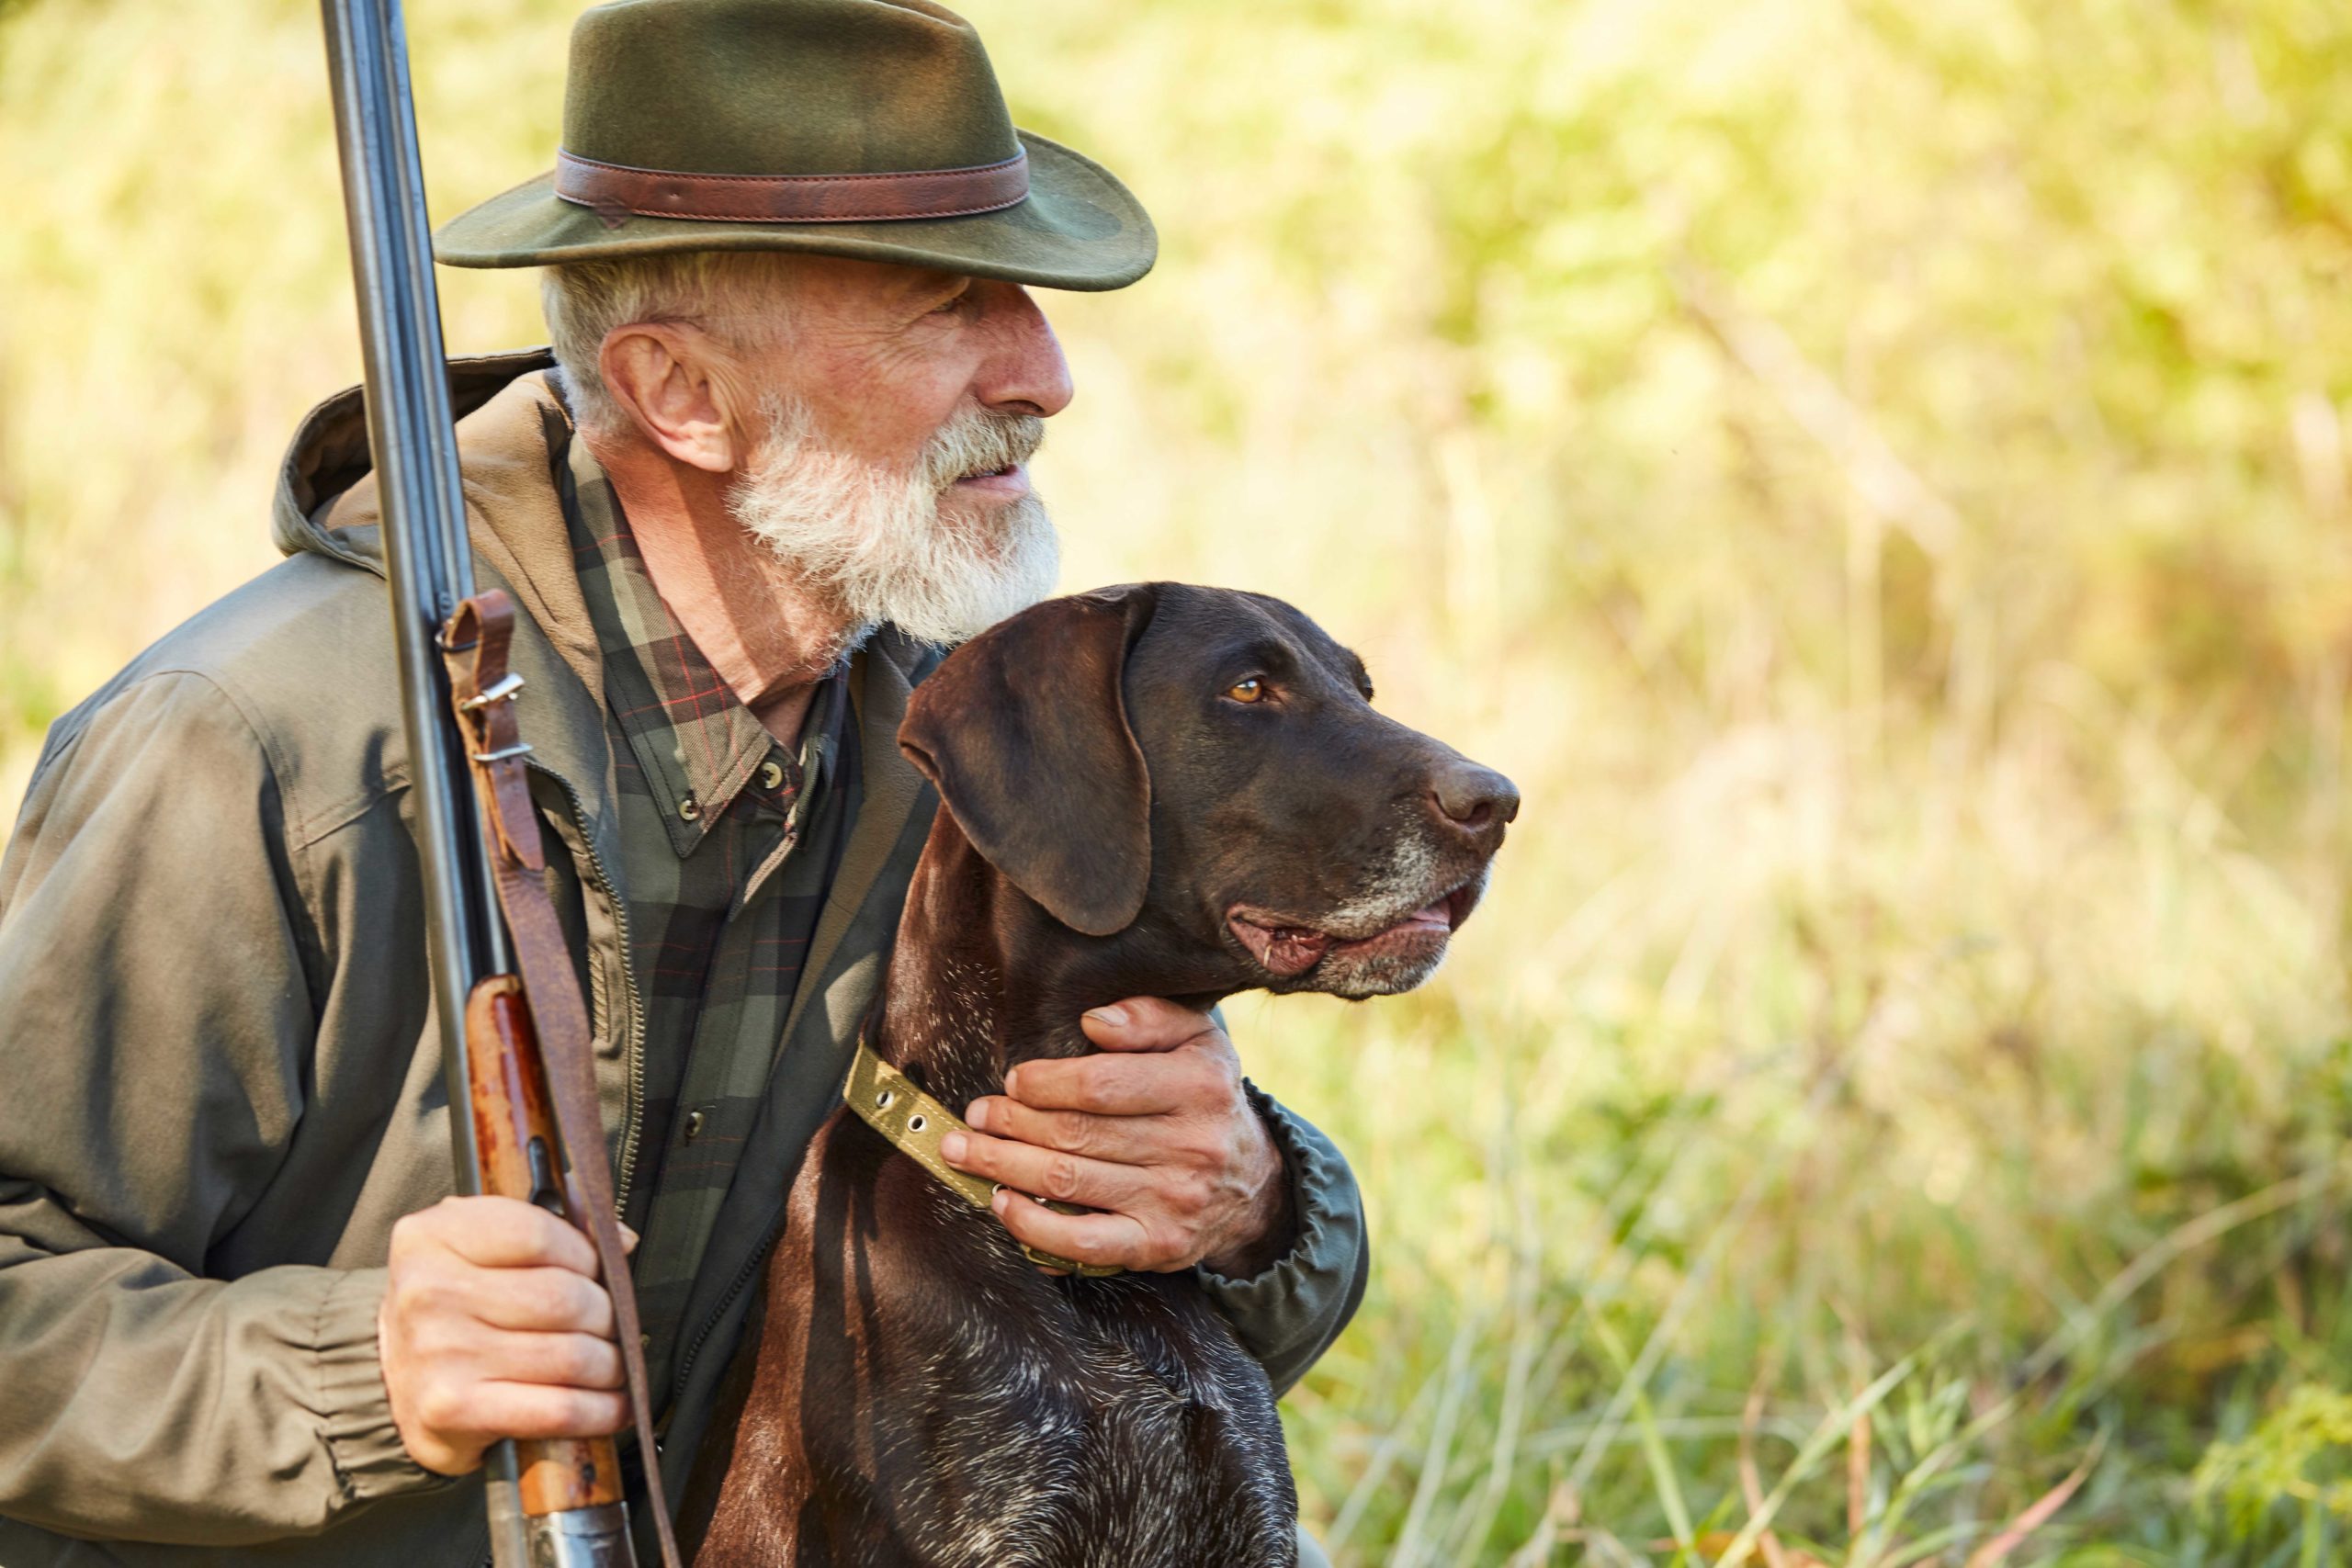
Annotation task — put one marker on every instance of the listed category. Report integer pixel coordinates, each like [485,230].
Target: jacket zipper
[734,1289]
[630,1006]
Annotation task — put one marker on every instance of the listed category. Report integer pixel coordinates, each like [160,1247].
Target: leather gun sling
[474,647]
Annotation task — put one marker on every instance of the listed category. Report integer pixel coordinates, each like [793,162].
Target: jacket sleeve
[156,1023]
[1288,1315]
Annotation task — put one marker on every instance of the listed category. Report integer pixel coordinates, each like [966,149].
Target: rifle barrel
[411,433]
[427,556]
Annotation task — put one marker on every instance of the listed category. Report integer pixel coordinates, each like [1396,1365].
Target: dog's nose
[1473,798]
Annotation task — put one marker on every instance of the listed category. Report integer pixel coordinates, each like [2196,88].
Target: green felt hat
[854,128]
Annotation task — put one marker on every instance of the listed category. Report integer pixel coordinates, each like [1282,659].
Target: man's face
[890,460]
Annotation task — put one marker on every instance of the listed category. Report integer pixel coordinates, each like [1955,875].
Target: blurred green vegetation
[1874,472]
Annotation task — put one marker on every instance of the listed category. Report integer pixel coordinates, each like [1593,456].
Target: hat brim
[1079,228]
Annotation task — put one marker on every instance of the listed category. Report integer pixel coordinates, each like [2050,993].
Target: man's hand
[1155,1132]
[494,1325]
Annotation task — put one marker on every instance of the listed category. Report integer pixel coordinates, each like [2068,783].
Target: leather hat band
[791,199]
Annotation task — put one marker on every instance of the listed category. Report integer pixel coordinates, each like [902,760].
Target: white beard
[876,542]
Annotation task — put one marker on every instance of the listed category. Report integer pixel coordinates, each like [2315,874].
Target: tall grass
[1875,473]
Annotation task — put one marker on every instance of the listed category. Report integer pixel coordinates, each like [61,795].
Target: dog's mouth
[1287,946]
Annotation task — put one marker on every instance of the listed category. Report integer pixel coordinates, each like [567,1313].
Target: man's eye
[1253,690]
[952,304]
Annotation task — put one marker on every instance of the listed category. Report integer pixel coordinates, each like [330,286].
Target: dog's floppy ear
[1025,731]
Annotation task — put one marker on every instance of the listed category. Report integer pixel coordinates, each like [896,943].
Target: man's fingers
[1144,1023]
[1148,1085]
[1145,1132]
[1130,1139]
[1104,1240]
[492,1322]
[543,1301]
[1106,1085]
[541,1410]
[479,1355]
[499,1233]
[1048,1173]
[558,1360]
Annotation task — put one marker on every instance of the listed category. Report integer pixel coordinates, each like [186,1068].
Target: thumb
[1146,1023]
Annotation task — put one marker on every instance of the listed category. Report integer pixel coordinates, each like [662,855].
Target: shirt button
[771,774]
[695,1119]
[690,808]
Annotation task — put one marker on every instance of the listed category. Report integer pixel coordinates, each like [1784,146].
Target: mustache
[979,441]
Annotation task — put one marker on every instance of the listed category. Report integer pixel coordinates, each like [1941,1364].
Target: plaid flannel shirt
[728,841]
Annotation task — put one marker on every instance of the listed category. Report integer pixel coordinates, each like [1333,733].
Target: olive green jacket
[219,1081]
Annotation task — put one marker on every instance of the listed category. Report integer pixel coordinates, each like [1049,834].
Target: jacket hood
[512,430]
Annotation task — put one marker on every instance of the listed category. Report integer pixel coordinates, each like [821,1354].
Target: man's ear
[1025,731]
[669,380]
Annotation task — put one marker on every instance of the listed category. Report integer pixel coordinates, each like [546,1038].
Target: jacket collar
[511,425]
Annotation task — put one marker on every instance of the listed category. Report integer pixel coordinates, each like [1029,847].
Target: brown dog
[1157,790]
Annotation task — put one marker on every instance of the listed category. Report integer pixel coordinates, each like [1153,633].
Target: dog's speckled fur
[916,1392]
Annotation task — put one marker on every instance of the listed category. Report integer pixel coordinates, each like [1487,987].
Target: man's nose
[1026,372]
[1474,800]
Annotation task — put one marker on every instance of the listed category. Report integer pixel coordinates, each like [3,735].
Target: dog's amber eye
[1250,690]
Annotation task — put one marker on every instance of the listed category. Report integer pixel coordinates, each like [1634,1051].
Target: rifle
[502,989]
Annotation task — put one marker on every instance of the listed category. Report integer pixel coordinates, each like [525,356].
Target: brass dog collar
[914,1122]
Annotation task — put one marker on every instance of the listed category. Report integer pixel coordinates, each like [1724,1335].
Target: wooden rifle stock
[516,1142]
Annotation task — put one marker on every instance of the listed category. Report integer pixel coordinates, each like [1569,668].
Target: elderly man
[777,460]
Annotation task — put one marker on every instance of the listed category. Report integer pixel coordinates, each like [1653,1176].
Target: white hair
[885,543]
[739,297]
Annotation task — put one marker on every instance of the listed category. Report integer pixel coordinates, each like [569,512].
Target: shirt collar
[696,742]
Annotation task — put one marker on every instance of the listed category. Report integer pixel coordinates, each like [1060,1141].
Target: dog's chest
[924,1397]
[1089,1422]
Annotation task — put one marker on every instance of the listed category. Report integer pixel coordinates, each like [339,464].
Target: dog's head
[1202,770]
